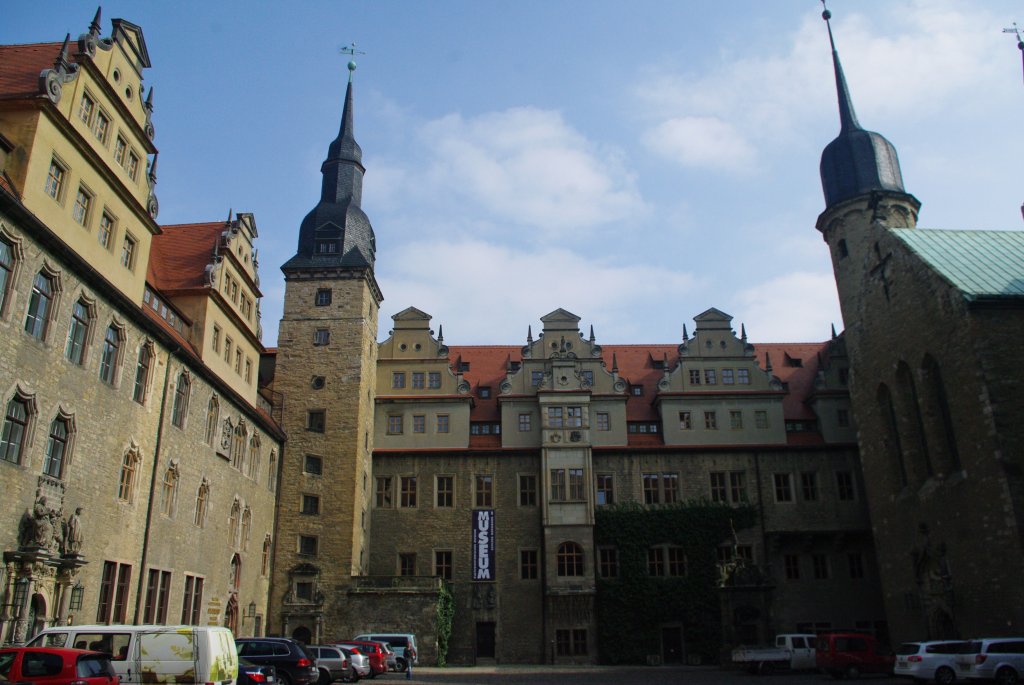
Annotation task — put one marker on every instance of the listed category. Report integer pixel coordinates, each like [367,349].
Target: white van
[398,642]
[177,655]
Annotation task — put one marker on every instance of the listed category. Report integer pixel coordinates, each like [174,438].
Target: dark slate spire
[857,161]
[336,233]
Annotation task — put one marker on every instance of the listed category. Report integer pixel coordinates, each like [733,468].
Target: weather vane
[351,50]
[1020,46]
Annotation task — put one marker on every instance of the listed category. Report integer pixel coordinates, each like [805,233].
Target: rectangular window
[608,562]
[407,564]
[106,230]
[588,377]
[408,494]
[310,505]
[308,545]
[321,336]
[394,425]
[385,498]
[444,488]
[106,597]
[101,126]
[605,489]
[603,421]
[676,562]
[313,465]
[574,417]
[86,108]
[736,420]
[571,642]
[484,393]
[528,564]
[819,563]
[228,344]
[55,180]
[844,486]
[124,579]
[132,165]
[656,561]
[248,371]
[710,420]
[527,490]
[434,380]
[484,490]
[743,376]
[792,564]
[809,486]
[316,420]
[843,418]
[709,377]
[738,486]
[856,562]
[443,563]
[694,376]
[525,423]
[558,485]
[783,487]
[418,380]
[685,421]
[120,148]
[727,377]
[419,423]
[761,419]
[158,584]
[238,360]
[576,493]
[442,423]
[215,342]
[398,379]
[636,390]
[323,297]
[536,378]
[718,489]
[128,252]
[670,487]
[555,417]
[192,600]
[651,488]
[83,203]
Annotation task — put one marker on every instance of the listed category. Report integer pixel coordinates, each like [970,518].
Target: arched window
[169,491]
[129,470]
[15,430]
[180,409]
[236,512]
[142,373]
[570,559]
[915,442]
[110,357]
[40,302]
[265,563]
[891,435]
[8,261]
[939,417]
[238,447]
[236,572]
[78,333]
[212,419]
[272,471]
[246,528]
[202,503]
[58,447]
[254,456]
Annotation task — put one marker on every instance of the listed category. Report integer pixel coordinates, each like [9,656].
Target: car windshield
[908,648]
[6,659]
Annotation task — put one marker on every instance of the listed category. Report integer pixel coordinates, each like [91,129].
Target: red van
[56,666]
[847,655]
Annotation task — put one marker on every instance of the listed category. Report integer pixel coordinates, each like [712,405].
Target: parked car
[293,663]
[390,656]
[399,643]
[332,663]
[847,655]
[146,654]
[250,673]
[374,651]
[791,651]
[360,662]
[56,666]
[927,660]
[993,658]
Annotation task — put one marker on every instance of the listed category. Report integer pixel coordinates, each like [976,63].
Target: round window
[319,382]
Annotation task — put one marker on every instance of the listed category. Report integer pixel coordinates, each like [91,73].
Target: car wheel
[765,668]
[325,677]
[401,665]
[1006,676]
[284,678]
[945,676]
[852,672]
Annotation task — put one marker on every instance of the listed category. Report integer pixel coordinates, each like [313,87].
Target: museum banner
[483,544]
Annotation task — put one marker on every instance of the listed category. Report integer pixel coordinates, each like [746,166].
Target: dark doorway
[672,645]
[485,640]
[302,634]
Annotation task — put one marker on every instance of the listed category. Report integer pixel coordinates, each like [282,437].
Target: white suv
[927,660]
[993,658]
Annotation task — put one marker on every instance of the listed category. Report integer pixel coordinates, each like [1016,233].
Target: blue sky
[635,166]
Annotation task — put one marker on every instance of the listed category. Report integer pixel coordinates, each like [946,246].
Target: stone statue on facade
[36,528]
[73,535]
[935,580]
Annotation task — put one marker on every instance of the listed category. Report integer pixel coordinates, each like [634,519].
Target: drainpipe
[152,487]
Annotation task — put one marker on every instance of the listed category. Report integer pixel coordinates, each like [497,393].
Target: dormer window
[485,393]
[327,247]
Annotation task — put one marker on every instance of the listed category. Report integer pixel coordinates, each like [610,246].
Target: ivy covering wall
[632,607]
[445,615]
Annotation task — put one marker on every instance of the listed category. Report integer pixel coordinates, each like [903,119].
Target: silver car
[332,663]
[935,659]
[359,661]
[993,658]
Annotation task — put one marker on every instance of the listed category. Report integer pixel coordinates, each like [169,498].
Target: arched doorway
[36,615]
[231,614]
[302,634]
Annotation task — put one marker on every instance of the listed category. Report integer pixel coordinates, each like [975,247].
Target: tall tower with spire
[325,371]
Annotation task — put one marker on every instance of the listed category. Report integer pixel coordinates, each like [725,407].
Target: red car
[847,655]
[56,666]
[374,652]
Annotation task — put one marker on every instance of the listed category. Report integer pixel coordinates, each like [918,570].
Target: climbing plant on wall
[633,605]
[445,615]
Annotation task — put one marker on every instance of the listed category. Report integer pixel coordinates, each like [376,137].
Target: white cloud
[790,308]
[705,142]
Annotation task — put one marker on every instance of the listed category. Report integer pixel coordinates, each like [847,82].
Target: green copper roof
[981,264]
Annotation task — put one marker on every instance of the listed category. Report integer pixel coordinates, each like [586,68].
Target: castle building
[933,324]
[138,460]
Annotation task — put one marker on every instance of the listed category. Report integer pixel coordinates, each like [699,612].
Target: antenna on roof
[1020,41]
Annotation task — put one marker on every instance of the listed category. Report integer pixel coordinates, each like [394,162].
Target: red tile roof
[180,254]
[20,66]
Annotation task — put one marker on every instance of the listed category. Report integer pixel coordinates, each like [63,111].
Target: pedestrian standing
[410,654]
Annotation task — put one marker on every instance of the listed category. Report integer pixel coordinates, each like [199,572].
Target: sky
[635,164]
